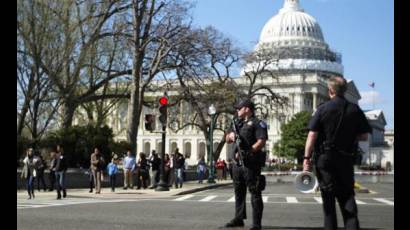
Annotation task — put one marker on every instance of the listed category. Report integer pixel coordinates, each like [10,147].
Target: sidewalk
[120,193]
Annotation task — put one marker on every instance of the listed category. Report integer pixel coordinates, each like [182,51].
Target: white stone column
[314,101]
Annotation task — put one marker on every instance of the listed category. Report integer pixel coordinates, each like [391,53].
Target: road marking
[232,199]
[318,199]
[208,198]
[291,199]
[360,202]
[64,202]
[265,198]
[183,198]
[384,201]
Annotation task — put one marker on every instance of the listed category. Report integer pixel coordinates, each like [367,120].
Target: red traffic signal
[163,100]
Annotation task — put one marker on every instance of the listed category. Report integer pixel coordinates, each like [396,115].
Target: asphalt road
[285,208]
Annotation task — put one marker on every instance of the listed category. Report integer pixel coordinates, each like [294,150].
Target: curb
[202,188]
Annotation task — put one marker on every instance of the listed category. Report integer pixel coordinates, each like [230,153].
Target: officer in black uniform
[252,134]
[334,130]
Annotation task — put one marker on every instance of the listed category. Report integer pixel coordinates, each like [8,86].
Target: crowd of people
[144,172]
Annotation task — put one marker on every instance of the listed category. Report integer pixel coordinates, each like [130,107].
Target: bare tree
[155,31]
[205,63]
[36,103]
[205,60]
[69,31]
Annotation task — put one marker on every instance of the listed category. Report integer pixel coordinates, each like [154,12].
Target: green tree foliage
[293,137]
[79,142]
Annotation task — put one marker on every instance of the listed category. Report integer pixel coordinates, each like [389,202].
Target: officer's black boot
[58,194]
[234,223]
[64,193]
[29,195]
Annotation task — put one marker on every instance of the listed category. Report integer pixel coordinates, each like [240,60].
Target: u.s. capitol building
[301,77]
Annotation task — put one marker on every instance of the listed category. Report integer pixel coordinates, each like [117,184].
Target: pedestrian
[112,170]
[250,135]
[90,179]
[60,168]
[201,170]
[29,171]
[155,164]
[224,169]
[171,175]
[229,167]
[97,168]
[179,169]
[142,171]
[167,168]
[128,167]
[334,129]
[40,171]
[52,174]
[219,169]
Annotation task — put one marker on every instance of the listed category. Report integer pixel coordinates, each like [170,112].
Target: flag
[371,84]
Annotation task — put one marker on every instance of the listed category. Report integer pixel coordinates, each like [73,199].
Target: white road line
[208,198]
[384,201]
[183,197]
[318,199]
[232,199]
[265,199]
[360,202]
[291,199]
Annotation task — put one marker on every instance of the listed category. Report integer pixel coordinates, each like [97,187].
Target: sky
[361,30]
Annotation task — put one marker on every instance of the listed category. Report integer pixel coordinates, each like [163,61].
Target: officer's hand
[230,137]
[307,165]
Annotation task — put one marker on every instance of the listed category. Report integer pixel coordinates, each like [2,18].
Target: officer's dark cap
[245,103]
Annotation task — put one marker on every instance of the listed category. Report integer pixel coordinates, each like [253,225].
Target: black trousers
[52,179]
[336,180]
[244,177]
[142,177]
[112,182]
[40,179]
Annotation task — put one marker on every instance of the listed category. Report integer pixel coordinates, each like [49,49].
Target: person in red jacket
[220,166]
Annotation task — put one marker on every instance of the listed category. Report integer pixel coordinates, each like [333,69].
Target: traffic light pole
[163,185]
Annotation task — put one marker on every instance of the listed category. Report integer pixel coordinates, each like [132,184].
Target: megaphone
[306,182]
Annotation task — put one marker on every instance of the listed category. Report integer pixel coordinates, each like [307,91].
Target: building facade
[303,63]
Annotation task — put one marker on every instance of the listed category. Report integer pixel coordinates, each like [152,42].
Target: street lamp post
[212,112]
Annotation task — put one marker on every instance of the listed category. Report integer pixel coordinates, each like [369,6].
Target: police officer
[334,130]
[252,134]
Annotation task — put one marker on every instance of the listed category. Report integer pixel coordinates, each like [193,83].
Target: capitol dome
[292,24]
[297,39]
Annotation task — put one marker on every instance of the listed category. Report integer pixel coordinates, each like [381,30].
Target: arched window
[147,148]
[158,148]
[187,149]
[201,150]
[173,147]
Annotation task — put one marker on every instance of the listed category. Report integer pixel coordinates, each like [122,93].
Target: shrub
[79,142]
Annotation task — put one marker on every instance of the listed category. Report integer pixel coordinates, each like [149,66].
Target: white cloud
[368,97]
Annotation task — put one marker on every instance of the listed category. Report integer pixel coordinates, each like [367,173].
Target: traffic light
[149,122]
[163,101]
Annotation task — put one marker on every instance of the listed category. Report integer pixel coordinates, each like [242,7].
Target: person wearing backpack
[201,170]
